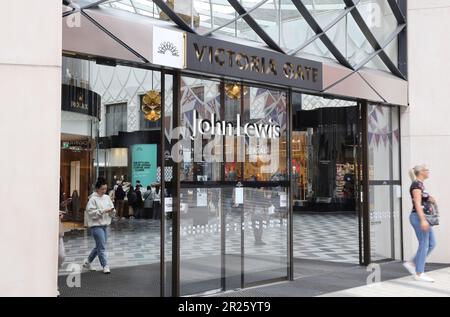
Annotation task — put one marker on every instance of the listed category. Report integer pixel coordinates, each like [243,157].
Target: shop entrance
[226,210]
[326,173]
[233,212]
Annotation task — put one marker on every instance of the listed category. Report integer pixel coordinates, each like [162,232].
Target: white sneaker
[410,267]
[106,269]
[423,278]
[87,265]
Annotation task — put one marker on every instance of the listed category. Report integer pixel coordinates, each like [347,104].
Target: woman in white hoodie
[99,213]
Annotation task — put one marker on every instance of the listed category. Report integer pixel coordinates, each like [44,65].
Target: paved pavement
[338,280]
[402,287]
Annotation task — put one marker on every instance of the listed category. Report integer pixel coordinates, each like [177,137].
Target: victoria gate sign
[229,59]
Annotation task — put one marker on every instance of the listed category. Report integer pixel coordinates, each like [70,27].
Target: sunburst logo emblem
[168,47]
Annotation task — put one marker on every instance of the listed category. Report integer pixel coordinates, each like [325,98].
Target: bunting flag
[378,127]
[385,137]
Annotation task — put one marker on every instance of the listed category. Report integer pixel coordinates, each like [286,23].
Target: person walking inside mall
[99,211]
[423,205]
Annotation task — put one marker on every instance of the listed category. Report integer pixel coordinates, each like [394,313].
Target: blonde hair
[414,172]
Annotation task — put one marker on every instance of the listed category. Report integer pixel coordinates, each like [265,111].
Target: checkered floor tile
[328,237]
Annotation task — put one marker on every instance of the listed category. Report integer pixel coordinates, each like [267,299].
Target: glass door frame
[176,187]
[367,184]
[173,289]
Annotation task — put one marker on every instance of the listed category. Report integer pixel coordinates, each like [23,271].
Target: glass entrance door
[233,185]
[265,177]
[384,187]
[326,181]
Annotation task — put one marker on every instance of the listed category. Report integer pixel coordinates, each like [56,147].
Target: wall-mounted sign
[143,163]
[168,47]
[80,100]
[208,55]
[76,144]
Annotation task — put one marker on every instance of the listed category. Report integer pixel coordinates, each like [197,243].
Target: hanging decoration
[378,130]
[233,90]
[151,105]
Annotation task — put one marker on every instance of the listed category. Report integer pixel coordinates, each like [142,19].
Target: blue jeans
[100,237]
[427,242]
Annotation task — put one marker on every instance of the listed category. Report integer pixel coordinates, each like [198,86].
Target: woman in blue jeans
[422,202]
[99,212]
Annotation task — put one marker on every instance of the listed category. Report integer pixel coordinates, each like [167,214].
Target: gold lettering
[299,73]
[254,64]
[272,67]
[230,57]
[239,58]
[199,53]
[263,65]
[288,70]
[211,54]
[219,52]
[308,71]
[315,74]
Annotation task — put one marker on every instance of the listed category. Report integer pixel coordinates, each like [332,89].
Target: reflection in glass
[123,152]
[265,157]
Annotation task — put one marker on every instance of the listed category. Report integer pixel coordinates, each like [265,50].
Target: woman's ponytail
[412,175]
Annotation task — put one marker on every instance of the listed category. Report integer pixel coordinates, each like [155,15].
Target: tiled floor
[324,237]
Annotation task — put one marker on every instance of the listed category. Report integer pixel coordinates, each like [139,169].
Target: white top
[156,195]
[95,210]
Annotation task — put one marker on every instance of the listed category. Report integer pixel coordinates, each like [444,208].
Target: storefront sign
[223,128]
[168,47]
[208,55]
[143,160]
[80,100]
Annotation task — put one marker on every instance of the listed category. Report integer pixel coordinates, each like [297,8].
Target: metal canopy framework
[240,12]
[321,33]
